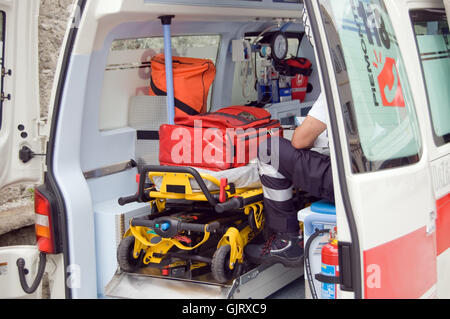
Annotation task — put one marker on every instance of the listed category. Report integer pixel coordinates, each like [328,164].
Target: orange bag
[192,80]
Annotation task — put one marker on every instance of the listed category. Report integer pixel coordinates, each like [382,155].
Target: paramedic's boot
[286,249]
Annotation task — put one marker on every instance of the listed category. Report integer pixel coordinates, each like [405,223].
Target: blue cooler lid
[323,207]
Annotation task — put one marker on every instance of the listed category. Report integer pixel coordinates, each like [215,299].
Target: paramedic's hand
[306,134]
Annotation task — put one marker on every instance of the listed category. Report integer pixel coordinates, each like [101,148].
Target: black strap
[235,117]
[148,135]
[178,104]
[260,134]
[242,119]
[302,71]
[286,69]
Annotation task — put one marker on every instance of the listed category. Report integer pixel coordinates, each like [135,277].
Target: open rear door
[383,163]
[19,87]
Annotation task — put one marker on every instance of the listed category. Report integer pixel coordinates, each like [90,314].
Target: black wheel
[125,255]
[252,221]
[220,266]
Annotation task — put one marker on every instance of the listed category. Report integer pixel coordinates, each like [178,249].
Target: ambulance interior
[118,108]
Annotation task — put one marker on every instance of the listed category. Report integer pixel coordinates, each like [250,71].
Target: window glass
[202,46]
[433,41]
[2,59]
[379,111]
[128,71]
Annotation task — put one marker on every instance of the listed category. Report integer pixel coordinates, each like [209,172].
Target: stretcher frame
[176,185]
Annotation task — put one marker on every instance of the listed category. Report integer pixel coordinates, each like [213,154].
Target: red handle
[223,192]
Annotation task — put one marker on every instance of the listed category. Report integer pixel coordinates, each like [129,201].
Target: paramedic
[303,163]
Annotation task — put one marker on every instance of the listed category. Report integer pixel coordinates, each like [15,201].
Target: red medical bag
[221,140]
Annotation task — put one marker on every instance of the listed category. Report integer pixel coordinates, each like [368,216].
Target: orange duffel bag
[192,80]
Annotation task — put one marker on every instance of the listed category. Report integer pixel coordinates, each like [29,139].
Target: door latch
[26,154]
[6,72]
[5,97]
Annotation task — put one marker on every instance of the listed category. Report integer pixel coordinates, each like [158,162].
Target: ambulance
[383,65]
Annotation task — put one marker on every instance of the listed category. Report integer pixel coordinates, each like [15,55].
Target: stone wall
[52,26]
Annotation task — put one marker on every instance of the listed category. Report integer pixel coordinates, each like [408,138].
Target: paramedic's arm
[306,134]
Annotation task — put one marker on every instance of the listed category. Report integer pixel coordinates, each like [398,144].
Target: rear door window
[381,123]
[433,42]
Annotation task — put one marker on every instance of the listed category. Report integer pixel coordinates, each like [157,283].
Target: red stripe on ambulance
[443,224]
[401,269]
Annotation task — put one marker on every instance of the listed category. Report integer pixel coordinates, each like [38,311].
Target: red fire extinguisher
[330,267]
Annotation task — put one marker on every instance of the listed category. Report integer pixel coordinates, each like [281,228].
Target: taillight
[44,235]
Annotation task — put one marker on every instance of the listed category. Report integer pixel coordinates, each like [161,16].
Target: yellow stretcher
[189,224]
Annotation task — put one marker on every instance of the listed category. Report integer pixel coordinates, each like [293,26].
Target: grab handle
[170,227]
[170,169]
[128,200]
[238,202]
[199,227]
[230,205]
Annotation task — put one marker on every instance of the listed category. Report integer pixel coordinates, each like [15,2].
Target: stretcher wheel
[125,257]
[220,266]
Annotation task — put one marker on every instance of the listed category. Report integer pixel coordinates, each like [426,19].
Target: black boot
[286,249]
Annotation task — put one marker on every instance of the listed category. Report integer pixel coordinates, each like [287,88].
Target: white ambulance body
[383,65]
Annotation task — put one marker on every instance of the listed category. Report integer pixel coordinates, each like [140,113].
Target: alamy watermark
[373,276]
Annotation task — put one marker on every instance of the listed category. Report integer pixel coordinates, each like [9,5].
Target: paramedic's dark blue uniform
[284,168]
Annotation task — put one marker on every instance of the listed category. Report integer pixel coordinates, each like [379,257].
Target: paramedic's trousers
[282,168]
